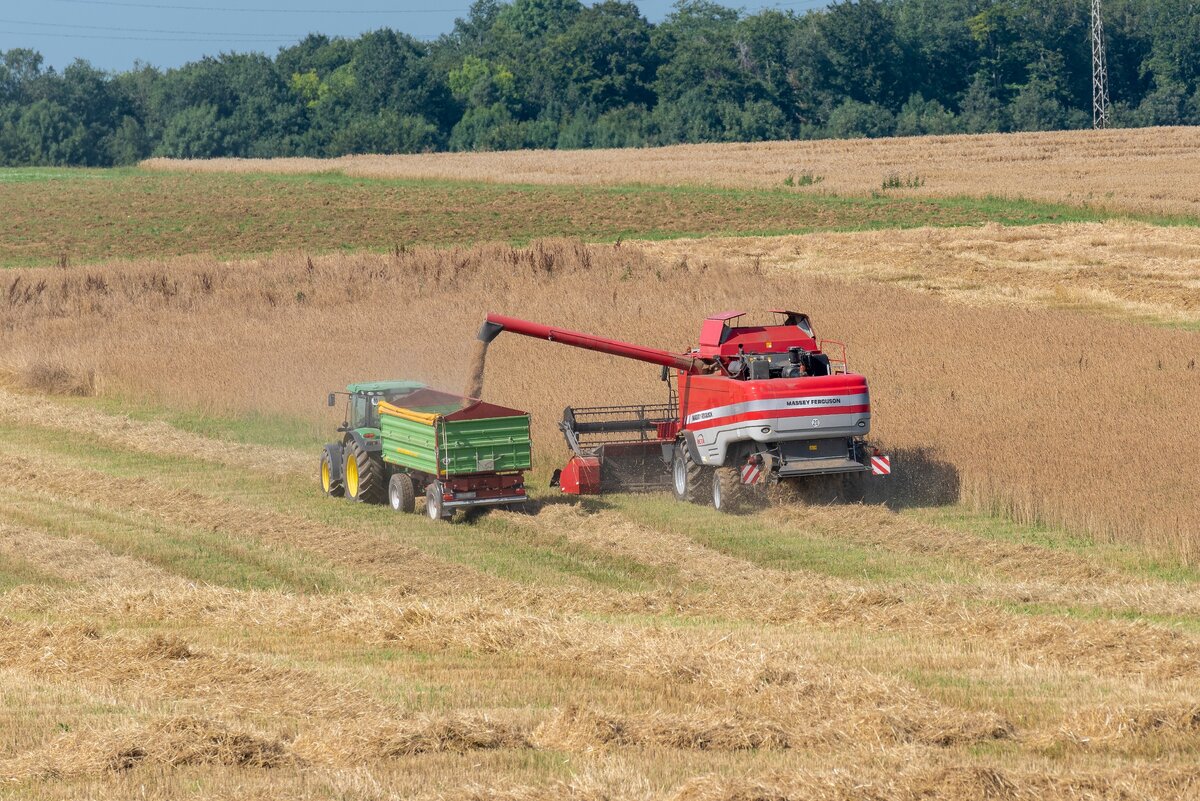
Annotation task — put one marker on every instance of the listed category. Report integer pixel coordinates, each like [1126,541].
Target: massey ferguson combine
[752,405]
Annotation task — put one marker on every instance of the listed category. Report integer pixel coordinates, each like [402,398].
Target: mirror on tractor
[332,399]
[665,375]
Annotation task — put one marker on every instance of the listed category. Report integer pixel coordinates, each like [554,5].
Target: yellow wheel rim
[325,474]
[351,476]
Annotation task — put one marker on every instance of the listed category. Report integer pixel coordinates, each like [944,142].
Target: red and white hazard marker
[881,465]
[751,473]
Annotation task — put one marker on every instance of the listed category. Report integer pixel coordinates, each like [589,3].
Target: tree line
[562,74]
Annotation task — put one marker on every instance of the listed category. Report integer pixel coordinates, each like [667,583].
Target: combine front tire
[364,475]
[329,471]
[401,493]
[687,477]
[728,491]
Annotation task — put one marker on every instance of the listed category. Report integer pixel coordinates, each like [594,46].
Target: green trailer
[461,453]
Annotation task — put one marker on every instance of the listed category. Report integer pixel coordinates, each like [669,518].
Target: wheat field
[1147,170]
[1030,407]
[1118,269]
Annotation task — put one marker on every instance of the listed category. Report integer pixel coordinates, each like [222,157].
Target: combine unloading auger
[750,406]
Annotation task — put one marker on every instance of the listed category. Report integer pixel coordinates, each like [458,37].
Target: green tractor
[354,467]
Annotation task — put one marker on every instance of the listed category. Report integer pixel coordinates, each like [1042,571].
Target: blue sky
[113,34]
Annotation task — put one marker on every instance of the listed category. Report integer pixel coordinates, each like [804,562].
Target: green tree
[48,134]
[857,120]
[919,116]
[604,59]
[192,133]
[980,111]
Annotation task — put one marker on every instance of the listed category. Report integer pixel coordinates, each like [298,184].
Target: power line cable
[141,30]
[265,39]
[293,11]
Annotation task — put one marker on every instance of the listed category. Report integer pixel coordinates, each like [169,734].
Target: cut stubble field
[1135,171]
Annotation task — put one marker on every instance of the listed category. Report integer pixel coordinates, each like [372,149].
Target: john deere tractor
[354,467]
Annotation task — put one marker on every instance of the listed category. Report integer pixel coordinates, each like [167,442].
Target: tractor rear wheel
[401,494]
[728,491]
[364,475]
[687,477]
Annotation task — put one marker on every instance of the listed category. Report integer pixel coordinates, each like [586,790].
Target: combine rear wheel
[364,475]
[327,472]
[728,491]
[687,477]
[401,494]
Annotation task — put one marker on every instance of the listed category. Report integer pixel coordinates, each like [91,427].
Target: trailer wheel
[327,471]
[401,493]
[433,501]
[728,491]
[687,477]
[364,475]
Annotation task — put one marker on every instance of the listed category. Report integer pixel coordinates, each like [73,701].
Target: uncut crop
[1150,170]
[1045,416]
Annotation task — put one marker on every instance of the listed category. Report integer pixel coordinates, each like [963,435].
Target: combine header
[750,406]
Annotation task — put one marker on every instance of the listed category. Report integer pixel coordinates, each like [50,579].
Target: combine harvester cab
[751,406]
[460,453]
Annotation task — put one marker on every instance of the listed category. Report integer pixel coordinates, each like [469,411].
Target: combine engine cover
[721,414]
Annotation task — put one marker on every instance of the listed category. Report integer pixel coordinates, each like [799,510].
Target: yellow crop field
[1013,614]
[1025,405]
[1124,270]
[1149,170]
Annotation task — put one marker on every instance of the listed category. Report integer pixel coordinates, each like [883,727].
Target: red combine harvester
[750,406]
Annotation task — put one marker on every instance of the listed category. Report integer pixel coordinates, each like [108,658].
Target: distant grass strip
[50,216]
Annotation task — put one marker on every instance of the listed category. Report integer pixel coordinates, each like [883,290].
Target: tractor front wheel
[327,471]
[401,493]
[687,477]
[363,476]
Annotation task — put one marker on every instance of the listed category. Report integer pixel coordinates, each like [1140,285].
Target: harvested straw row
[154,437]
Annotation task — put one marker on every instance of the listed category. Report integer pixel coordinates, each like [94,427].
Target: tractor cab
[362,405]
